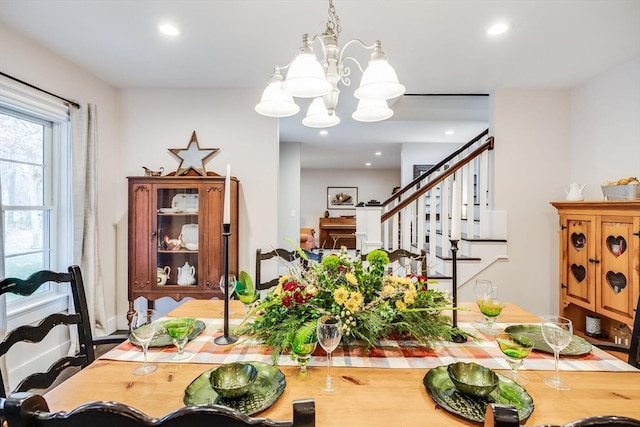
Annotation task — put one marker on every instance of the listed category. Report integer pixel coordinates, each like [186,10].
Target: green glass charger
[162,337]
[473,408]
[577,347]
[267,388]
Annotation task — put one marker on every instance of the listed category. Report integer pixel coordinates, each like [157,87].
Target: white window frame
[58,185]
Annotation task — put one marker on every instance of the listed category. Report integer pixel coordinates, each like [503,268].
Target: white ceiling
[435,46]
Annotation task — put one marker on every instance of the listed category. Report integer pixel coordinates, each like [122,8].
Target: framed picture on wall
[420,169]
[342,197]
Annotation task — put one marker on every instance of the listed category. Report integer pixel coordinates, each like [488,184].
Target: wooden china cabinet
[599,263]
[175,236]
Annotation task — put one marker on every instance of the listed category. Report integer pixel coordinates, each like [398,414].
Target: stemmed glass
[491,308]
[248,297]
[143,329]
[484,289]
[232,287]
[301,353]
[329,332]
[516,348]
[557,332]
[179,330]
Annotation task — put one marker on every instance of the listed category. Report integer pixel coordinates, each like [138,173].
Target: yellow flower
[357,298]
[278,290]
[409,298]
[340,295]
[388,289]
[284,279]
[400,305]
[351,278]
[311,290]
[352,305]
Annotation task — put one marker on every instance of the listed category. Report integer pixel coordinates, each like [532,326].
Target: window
[36,202]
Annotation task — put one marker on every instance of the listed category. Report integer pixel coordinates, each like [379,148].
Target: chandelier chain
[334,20]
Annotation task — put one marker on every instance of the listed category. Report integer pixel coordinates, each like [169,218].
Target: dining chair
[634,344]
[30,410]
[399,258]
[35,334]
[277,255]
[507,416]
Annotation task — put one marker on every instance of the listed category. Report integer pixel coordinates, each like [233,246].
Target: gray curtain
[84,141]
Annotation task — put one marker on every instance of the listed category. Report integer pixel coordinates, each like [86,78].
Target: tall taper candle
[226,217]
[455,212]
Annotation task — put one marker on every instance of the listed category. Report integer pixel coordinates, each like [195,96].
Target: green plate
[445,394]
[577,347]
[162,337]
[267,388]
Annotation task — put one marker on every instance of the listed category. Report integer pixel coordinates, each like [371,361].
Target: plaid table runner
[388,354]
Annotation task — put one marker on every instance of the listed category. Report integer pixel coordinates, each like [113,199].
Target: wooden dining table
[367,397]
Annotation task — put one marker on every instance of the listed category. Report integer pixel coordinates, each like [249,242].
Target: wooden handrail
[436,167]
[450,171]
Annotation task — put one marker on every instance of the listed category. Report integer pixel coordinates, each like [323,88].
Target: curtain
[84,142]
[3,302]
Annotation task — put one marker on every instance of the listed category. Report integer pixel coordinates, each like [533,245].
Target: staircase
[451,198]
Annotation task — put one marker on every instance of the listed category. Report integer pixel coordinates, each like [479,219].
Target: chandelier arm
[361,43]
[344,60]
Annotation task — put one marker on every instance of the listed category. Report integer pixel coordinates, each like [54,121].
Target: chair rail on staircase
[418,216]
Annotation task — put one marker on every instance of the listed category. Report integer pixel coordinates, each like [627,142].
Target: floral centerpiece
[372,305]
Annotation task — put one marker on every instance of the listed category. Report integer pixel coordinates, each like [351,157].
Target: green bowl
[473,379]
[233,379]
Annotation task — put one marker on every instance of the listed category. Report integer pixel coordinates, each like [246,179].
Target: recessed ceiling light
[449,132]
[169,30]
[378,153]
[498,28]
[324,132]
[368,164]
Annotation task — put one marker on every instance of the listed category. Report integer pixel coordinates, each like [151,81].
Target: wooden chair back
[283,255]
[29,410]
[507,416]
[400,257]
[34,334]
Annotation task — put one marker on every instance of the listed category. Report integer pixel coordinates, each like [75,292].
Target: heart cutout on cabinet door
[616,245]
[579,272]
[578,240]
[617,281]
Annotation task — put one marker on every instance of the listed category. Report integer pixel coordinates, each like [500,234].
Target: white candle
[455,213]
[226,217]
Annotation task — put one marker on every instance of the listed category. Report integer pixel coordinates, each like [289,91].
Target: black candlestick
[226,338]
[457,338]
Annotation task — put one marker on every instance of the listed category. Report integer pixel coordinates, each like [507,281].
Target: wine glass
[329,331]
[516,347]
[143,329]
[232,287]
[484,289]
[179,330]
[301,353]
[248,297]
[557,332]
[491,308]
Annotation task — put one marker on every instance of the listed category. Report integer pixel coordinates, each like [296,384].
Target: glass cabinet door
[178,236]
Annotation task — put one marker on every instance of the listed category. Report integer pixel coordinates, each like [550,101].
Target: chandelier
[309,78]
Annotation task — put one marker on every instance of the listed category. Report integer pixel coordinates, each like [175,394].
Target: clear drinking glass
[329,332]
[248,297]
[557,332]
[484,289]
[516,347]
[143,329]
[232,287]
[491,309]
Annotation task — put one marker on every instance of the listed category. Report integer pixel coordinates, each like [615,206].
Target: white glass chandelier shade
[379,80]
[318,116]
[305,78]
[372,110]
[274,102]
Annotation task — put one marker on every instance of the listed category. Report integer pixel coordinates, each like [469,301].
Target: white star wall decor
[193,157]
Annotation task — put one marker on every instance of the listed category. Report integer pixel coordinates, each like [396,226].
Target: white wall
[373,184]
[288,195]
[154,120]
[531,129]
[605,129]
